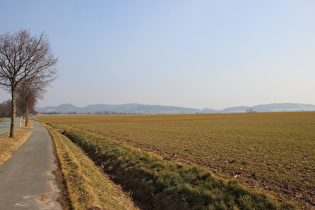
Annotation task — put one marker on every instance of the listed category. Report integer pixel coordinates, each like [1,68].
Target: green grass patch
[160,183]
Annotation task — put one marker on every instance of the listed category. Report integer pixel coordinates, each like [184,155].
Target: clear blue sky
[191,53]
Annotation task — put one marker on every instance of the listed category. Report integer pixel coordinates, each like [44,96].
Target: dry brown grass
[9,145]
[87,186]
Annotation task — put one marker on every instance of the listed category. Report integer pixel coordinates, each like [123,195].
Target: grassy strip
[9,145]
[163,184]
[88,187]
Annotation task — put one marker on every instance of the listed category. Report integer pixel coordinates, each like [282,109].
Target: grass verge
[9,145]
[87,186]
[160,183]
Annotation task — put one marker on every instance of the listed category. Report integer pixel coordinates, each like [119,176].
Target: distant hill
[275,107]
[284,107]
[118,109]
[158,109]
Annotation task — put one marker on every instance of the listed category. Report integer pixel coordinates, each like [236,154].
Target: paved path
[26,179]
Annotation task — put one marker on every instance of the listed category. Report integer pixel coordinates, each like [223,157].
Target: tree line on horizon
[27,67]
[6,108]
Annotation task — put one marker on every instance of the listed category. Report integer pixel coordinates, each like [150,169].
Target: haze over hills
[158,109]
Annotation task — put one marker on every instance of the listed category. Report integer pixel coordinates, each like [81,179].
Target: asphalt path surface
[26,179]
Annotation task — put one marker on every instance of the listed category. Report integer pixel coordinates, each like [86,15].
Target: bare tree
[24,58]
[28,95]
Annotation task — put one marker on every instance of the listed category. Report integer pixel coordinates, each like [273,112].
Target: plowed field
[272,151]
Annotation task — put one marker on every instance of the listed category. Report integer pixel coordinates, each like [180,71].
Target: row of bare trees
[6,108]
[27,67]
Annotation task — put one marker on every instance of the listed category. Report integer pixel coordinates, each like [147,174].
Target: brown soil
[282,191]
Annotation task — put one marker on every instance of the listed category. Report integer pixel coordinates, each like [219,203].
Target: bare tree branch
[25,60]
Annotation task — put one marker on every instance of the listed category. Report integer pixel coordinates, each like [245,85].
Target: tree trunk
[27,116]
[13,93]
